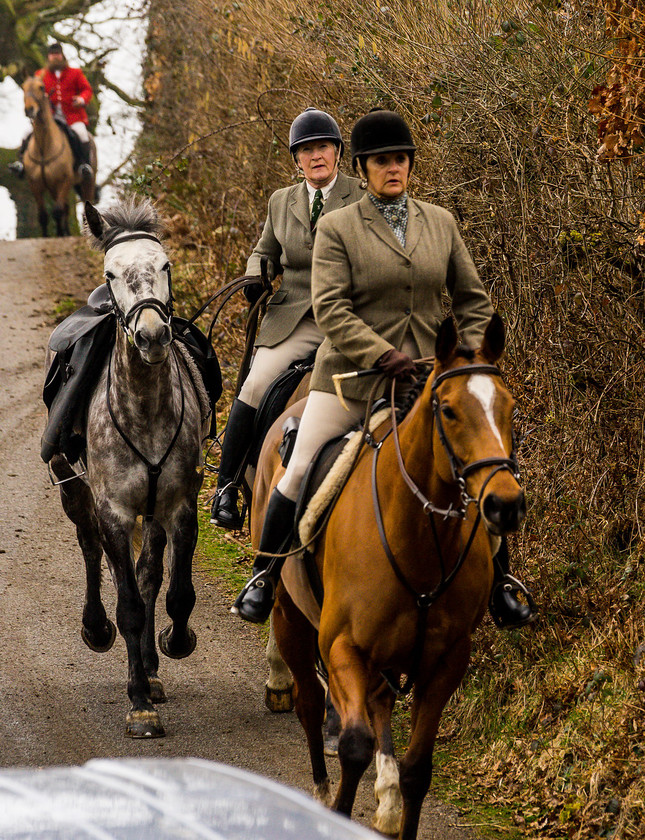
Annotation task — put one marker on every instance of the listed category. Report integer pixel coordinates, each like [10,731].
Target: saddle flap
[81,322]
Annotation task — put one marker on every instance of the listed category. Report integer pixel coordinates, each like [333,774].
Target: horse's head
[473,411]
[137,273]
[36,99]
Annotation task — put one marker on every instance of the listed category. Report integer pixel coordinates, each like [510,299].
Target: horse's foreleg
[278,694]
[178,640]
[142,720]
[429,702]
[149,578]
[387,819]
[296,640]
[61,211]
[43,217]
[98,632]
[348,683]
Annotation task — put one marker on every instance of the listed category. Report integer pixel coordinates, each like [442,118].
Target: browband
[129,238]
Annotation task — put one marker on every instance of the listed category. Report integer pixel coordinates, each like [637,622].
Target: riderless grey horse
[144,432]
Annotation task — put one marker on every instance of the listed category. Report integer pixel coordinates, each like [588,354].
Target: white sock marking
[482,387]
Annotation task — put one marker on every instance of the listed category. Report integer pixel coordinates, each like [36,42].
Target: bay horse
[144,432]
[49,161]
[405,561]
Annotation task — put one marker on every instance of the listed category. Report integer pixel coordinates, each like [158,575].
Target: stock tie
[316,207]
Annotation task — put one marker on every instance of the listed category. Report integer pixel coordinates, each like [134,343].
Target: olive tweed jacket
[369,291]
[287,239]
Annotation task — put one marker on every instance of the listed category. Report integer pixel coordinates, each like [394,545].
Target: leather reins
[424,600]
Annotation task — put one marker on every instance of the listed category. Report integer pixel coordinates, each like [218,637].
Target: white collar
[325,190]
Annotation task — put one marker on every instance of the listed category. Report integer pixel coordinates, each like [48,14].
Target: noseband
[165,310]
[460,472]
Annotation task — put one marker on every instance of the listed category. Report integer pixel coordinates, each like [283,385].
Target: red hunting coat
[72,82]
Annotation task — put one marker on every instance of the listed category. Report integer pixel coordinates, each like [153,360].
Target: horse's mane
[403,408]
[130,215]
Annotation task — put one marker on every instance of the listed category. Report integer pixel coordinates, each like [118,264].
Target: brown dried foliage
[497,95]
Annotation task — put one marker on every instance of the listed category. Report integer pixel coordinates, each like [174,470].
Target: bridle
[165,310]
[460,471]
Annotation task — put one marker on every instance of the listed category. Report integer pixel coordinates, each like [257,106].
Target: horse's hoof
[144,724]
[278,699]
[157,694]
[330,744]
[100,646]
[322,793]
[167,648]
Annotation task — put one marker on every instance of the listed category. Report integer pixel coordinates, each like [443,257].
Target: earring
[363,183]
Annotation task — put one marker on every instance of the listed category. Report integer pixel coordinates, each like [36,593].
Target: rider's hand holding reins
[397,365]
[254,291]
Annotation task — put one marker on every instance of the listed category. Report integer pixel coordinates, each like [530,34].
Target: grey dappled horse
[144,433]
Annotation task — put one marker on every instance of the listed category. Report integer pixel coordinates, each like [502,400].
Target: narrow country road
[60,703]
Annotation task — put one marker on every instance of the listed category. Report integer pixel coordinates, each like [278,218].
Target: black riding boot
[237,440]
[507,611]
[255,601]
[17,166]
[84,161]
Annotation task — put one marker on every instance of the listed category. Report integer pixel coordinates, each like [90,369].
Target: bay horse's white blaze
[483,389]
[387,819]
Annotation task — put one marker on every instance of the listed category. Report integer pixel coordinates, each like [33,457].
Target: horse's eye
[448,413]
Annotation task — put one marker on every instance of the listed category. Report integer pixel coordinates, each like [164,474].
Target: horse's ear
[446,342]
[494,338]
[94,220]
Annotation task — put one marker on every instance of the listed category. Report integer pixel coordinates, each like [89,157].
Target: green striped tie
[316,207]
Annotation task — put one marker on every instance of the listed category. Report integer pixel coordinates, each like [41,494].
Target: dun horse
[144,458]
[406,565]
[49,162]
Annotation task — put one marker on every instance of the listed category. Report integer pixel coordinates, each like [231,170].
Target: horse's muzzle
[503,515]
[153,343]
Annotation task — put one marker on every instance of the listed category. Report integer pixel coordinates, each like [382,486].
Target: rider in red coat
[69,93]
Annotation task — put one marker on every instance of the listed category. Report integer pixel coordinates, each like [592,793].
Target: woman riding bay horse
[379,269]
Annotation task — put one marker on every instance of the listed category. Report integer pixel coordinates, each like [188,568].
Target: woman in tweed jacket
[380,268]
[288,331]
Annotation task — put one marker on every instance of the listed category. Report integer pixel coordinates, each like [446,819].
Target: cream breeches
[269,362]
[325,418]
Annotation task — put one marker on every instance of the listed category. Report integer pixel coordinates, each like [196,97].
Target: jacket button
[408,288]
[407,310]
[309,246]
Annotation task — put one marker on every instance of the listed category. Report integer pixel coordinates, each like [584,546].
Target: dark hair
[55,48]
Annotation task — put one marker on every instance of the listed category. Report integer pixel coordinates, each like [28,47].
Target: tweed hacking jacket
[369,291]
[287,239]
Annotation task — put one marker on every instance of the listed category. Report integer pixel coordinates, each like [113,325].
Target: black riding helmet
[311,125]
[380,131]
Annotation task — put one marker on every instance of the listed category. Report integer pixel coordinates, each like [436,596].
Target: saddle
[81,344]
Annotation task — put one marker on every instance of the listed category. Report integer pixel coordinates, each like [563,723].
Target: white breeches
[80,129]
[269,362]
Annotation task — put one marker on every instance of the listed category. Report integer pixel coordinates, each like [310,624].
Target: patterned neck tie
[316,207]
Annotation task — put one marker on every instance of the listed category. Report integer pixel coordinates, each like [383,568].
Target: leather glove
[254,291]
[397,365]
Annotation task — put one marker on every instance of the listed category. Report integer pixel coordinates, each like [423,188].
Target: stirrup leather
[512,586]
